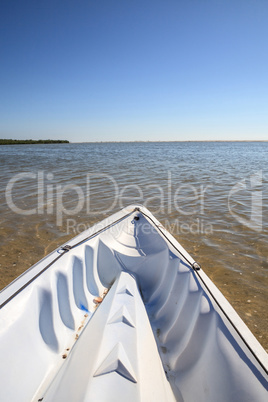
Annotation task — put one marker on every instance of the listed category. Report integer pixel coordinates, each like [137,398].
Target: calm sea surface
[213,197]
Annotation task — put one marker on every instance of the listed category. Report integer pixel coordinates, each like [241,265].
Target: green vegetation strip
[12,142]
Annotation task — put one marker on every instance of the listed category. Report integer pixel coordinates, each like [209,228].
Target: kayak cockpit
[162,332]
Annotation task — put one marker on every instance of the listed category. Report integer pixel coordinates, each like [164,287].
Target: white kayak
[123,313]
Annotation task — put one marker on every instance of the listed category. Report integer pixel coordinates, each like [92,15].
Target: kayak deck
[159,334]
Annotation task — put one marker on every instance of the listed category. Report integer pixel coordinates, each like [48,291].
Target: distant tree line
[11,142]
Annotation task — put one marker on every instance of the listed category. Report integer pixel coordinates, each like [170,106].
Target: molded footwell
[116,357]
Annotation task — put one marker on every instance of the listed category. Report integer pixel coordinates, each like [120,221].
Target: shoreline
[31,142]
[44,142]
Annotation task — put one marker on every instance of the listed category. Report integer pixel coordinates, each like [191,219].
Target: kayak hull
[176,338]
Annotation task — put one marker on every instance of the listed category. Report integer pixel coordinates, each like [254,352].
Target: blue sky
[114,70]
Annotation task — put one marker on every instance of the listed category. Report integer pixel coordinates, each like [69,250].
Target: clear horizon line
[166,141]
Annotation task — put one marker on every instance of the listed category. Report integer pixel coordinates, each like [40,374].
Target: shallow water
[213,197]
